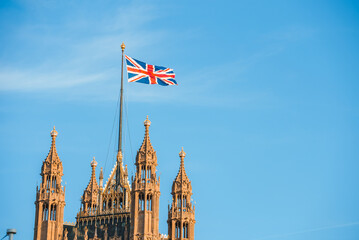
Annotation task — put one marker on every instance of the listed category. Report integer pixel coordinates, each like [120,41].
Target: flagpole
[121,104]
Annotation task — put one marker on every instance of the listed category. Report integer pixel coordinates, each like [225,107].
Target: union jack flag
[149,74]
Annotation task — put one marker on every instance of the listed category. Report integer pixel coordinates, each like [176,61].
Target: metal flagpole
[119,153]
[121,104]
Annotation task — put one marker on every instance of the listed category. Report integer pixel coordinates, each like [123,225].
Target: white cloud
[66,59]
[28,80]
[88,67]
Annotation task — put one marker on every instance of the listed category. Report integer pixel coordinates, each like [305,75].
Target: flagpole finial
[123,46]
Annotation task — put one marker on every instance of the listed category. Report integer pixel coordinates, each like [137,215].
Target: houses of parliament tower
[117,209]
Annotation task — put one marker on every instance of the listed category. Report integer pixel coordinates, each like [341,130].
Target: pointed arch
[143,172]
[141,202]
[45,212]
[179,201]
[178,230]
[185,230]
[149,202]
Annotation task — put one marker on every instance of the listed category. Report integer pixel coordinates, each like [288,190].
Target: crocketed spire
[182,176]
[50,196]
[53,163]
[90,196]
[93,183]
[52,157]
[146,144]
[145,190]
[181,202]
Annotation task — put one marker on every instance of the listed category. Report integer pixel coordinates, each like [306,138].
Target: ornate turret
[50,197]
[145,192]
[181,218]
[90,196]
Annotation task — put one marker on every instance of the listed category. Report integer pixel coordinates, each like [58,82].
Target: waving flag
[149,74]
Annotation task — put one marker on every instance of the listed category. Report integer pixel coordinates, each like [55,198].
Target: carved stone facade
[50,197]
[118,210]
[181,213]
[145,194]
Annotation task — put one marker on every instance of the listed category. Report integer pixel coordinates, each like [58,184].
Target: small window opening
[149,202]
[45,212]
[185,230]
[178,230]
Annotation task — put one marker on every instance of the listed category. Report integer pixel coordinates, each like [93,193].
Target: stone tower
[145,192]
[181,214]
[50,197]
[90,196]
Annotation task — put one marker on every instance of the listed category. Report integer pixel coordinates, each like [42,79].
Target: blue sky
[266,108]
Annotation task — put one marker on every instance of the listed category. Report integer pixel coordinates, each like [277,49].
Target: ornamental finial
[182,154]
[147,122]
[53,132]
[93,163]
[123,46]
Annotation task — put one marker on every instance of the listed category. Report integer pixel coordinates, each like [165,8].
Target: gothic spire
[90,196]
[181,226]
[50,197]
[145,189]
[182,176]
[146,144]
[52,157]
[93,183]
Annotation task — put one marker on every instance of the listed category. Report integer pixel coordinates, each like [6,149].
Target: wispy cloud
[65,59]
[32,81]
[89,65]
[283,236]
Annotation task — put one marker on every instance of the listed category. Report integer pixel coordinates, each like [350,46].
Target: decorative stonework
[145,193]
[50,197]
[181,218]
[114,210]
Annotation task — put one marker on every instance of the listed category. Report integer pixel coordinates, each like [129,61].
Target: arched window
[143,172]
[184,201]
[54,182]
[53,212]
[104,205]
[179,201]
[185,230]
[45,212]
[47,182]
[141,203]
[178,230]
[148,172]
[149,202]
